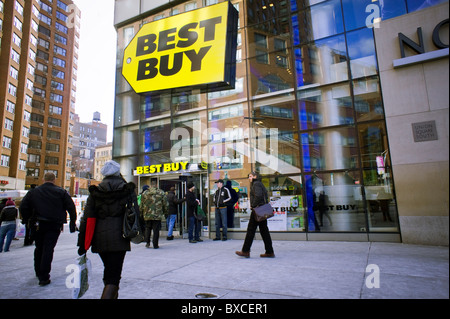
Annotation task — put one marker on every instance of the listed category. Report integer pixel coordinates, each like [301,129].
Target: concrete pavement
[301,270]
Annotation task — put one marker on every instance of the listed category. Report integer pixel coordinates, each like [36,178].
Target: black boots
[110,292]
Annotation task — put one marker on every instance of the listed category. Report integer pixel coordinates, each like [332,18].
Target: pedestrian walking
[193,223]
[8,216]
[107,204]
[258,197]
[48,204]
[173,203]
[221,197]
[153,208]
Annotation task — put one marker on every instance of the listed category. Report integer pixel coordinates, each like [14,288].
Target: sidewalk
[301,270]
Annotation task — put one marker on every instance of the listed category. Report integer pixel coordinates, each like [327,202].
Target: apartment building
[86,138]
[19,34]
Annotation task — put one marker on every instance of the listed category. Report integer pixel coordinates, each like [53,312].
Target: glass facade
[306,112]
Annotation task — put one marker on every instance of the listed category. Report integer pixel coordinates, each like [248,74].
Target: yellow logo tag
[188,49]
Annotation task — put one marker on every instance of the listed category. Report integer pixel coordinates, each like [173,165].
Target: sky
[96,62]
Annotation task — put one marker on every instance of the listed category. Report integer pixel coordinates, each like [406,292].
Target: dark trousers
[113,263]
[46,238]
[263,230]
[155,226]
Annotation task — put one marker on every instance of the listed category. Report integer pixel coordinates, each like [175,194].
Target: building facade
[308,112]
[102,155]
[19,22]
[52,117]
[86,138]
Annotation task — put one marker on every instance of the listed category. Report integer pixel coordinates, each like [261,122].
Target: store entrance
[179,183]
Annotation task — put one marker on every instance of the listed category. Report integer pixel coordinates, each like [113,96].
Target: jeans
[171,221]
[194,228]
[264,231]
[7,231]
[46,238]
[221,215]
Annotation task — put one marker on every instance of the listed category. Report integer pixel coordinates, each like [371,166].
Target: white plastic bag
[20,229]
[81,277]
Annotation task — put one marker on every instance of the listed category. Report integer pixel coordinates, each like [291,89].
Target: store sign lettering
[161,168]
[200,51]
[420,47]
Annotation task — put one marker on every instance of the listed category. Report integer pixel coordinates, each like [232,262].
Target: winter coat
[49,203]
[153,204]
[221,197]
[192,204]
[258,194]
[8,214]
[107,203]
[173,202]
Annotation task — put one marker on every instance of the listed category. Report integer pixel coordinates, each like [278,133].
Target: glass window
[362,12]
[330,149]
[126,140]
[361,51]
[367,99]
[275,136]
[227,139]
[380,200]
[317,22]
[261,11]
[154,105]
[156,136]
[285,195]
[186,100]
[414,5]
[269,36]
[334,202]
[322,62]
[373,144]
[187,138]
[325,106]
[269,77]
[126,109]
[301,4]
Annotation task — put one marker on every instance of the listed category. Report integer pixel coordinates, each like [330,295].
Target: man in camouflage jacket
[153,208]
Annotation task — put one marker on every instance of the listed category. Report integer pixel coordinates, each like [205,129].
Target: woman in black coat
[107,203]
[258,197]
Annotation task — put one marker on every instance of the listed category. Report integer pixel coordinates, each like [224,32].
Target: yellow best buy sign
[196,48]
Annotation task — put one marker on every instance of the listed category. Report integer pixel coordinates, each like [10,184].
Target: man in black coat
[49,204]
[173,211]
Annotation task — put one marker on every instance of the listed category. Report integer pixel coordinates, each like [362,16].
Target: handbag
[131,225]
[263,212]
[200,215]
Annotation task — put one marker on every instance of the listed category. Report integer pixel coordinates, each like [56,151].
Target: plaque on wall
[424,131]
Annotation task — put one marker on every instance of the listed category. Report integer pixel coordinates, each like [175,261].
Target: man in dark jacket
[107,203]
[49,204]
[173,210]
[221,197]
[191,210]
[258,197]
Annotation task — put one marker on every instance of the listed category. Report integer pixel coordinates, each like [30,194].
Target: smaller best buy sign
[196,48]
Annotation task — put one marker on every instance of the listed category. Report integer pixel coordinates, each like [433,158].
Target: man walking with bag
[258,197]
[49,204]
